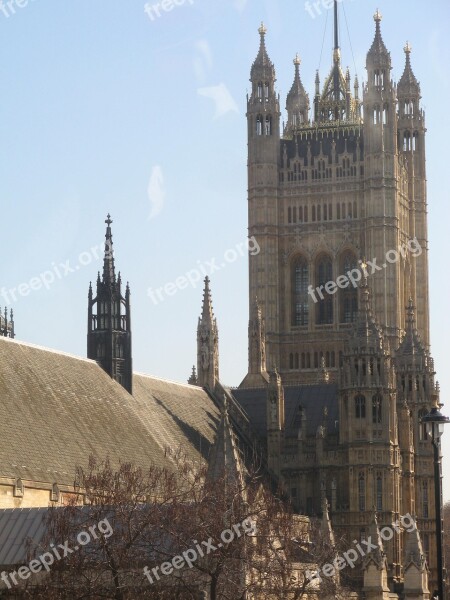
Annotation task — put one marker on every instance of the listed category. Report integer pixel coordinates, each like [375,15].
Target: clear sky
[106,107]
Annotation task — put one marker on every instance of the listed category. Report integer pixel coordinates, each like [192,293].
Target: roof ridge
[181,384]
[45,349]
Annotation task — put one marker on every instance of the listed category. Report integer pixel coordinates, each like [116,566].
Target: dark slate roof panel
[312,398]
[57,409]
[16,526]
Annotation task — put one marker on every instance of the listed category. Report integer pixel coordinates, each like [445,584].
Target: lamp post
[435,422]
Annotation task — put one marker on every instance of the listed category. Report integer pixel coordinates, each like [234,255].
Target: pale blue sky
[103,107]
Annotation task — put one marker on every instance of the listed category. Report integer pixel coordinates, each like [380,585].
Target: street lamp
[434,422]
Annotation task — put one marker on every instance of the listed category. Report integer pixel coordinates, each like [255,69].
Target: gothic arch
[300,281]
[323,273]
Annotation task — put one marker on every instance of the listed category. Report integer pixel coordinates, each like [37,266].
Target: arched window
[379,493]
[360,407]
[324,307]
[300,298]
[338,211]
[407,141]
[260,90]
[259,125]
[101,350]
[348,296]
[268,129]
[362,492]
[377,409]
[291,361]
[119,349]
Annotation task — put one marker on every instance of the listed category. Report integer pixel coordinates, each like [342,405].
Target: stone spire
[109,275]
[262,68]
[378,55]
[366,332]
[193,378]
[411,344]
[375,566]
[415,567]
[207,343]
[297,102]
[408,84]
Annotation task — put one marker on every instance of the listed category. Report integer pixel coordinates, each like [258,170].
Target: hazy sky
[106,107]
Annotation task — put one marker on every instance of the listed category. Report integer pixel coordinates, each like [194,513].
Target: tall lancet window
[348,297]
[324,274]
[299,285]
[362,492]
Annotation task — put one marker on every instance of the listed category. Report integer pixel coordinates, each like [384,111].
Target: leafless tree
[233,538]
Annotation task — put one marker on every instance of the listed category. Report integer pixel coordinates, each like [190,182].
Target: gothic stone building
[336,418]
[341,188]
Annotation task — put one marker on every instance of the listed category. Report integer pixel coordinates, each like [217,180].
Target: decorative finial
[407,49]
[377,16]
[263,29]
[297,60]
[108,220]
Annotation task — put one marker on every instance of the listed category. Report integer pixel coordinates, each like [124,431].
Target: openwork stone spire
[207,343]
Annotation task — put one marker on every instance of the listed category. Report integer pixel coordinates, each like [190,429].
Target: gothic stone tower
[109,327]
[342,188]
[335,187]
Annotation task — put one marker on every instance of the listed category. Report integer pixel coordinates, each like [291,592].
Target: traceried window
[362,492]
[377,409]
[360,407]
[300,297]
[324,307]
[348,297]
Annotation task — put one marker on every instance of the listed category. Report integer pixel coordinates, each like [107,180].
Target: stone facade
[341,191]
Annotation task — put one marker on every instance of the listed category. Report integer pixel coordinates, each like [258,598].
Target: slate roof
[17,525]
[312,398]
[56,409]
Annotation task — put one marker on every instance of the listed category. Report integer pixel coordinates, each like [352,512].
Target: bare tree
[161,534]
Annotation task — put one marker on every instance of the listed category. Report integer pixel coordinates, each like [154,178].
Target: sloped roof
[57,409]
[313,399]
[17,525]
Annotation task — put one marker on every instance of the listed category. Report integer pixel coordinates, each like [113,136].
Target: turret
[207,343]
[375,566]
[297,103]
[109,320]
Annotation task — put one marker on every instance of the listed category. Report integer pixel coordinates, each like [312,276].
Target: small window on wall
[19,489]
[360,407]
[377,409]
[362,492]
